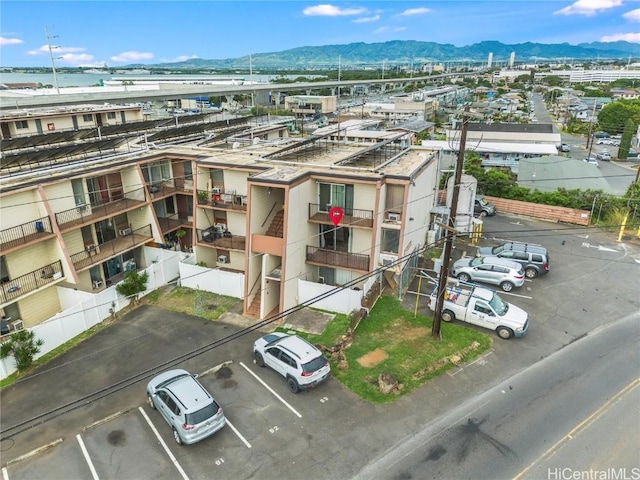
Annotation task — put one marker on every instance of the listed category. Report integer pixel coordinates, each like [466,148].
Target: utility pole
[589,138]
[451,231]
[53,63]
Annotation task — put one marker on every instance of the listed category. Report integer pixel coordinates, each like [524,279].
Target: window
[87,118]
[390,240]
[287,359]
[335,195]
[521,256]
[395,198]
[536,258]
[111,115]
[481,308]
[22,124]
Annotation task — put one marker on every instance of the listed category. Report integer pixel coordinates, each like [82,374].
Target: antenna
[53,63]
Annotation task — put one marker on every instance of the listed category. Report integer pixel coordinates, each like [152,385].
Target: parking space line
[94,474]
[164,445]
[5,473]
[271,390]
[238,434]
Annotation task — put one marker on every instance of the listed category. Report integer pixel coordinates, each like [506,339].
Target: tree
[133,284]
[613,117]
[625,141]
[23,346]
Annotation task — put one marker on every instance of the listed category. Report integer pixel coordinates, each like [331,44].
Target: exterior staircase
[276,229]
[254,309]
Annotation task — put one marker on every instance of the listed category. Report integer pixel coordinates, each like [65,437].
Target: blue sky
[92,33]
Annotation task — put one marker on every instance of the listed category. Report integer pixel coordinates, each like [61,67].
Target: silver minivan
[191,412]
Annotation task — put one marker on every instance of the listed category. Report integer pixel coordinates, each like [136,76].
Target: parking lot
[326,432]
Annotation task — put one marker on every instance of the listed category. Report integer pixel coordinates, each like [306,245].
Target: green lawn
[412,356]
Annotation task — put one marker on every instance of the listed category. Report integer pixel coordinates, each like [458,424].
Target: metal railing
[222,240]
[222,199]
[31,281]
[94,254]
[172,222]
[351,216]
[88,212]
[25,233]
[336,258]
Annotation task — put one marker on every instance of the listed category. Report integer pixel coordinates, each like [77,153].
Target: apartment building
[240,195]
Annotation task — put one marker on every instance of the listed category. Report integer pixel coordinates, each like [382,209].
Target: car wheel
[176,437]
[447,316]
[293,385]
[531,273]
[504,332]
[464,277]
[259,359]
[506,286]
[150,402]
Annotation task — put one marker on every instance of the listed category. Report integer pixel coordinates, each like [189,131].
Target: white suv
[302,364]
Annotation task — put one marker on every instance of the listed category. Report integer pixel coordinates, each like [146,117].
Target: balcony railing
[161,189]
[338,259]
[222,240]
[31,281]
[227,200]
[25,233]
[173,222]
[352,217]
[95,254]
[88,213]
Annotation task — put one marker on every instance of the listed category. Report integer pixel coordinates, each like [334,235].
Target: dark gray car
[533,258]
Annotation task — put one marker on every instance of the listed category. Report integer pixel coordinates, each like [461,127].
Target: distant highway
[11,99]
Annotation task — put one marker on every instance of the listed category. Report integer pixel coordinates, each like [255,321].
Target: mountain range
[406,51]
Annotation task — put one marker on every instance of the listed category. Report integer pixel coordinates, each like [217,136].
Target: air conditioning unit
[222,259]
[387,259]
[393,217]
[320,279]
[125,231]
[17,325]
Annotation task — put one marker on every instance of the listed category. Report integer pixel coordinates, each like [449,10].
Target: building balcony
[25,234]
[85,214]
[173,222]
[16,287]
[161,190]
[220,239]
[352,217]
[95,254]
[337,259]
[222,200]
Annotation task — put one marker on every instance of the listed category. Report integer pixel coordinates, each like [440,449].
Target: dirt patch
[373,358]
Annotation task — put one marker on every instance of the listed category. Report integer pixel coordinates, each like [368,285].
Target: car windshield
[496,250]
[203,414]
[315,364]
[482,201]
[499,305]
[475,262]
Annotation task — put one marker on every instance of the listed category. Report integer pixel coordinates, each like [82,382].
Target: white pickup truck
[483,307]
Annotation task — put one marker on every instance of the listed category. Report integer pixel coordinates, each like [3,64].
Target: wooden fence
[547,212]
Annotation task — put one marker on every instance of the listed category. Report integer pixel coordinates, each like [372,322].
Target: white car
[302,364]
[591,161]
[604,141]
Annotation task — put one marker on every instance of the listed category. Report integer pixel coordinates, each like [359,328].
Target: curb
[34,452]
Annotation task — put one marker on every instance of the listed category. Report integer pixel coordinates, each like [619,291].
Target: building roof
[496,147]
[511,127]
[553,172]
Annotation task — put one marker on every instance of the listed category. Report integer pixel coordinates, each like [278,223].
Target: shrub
[23,346]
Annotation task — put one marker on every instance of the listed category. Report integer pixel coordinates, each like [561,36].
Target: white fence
[230,284]
[82,310]
[342,301]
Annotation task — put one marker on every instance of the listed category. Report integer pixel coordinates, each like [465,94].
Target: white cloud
[390,29]
[627,37]
[414,11]
[76,59]
[132,56]
[633,15]
[375,18]
[588,8]
[332,11]
[10,41]
[56,50]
